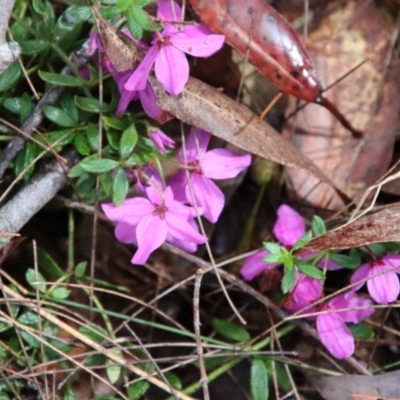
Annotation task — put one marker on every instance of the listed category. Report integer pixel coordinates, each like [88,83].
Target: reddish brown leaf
[383,226]
[257,31]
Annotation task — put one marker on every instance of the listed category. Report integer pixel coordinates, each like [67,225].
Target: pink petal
[208,195]
[151,233]
[197,31]
[182,230]
[125,233]
[160,140]
[131,211]
[178,186]
[253,265]
[192,153]
[328,264]
[306,290]
[148,100]
[95,42]
[223,164]
[351,301]
[197,46]
[360,274]
[153,193]
[384,288]
[335,335]
[165,11]
[172,69]
[290,225]
[138,79]
[393,260]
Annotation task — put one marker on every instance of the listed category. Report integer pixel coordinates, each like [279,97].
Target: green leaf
[30,340]
[58,116]
[123,5]
[272,248]
[10,76]
[361,331]
[259,380]
[28,318]
[120,187]
[81,144]
[30,277]
[68,105]
[273,258]
[279,372]
[128,141]
[113,373]
[318,226]
[106,183]
[80,270]
[91,105]
[173,380]
[288,280]
[24,159]
[302,241]
[116,123]
[351,261]
[61,79]
[76,171]
[133,25]
[33,46]
[310,270]
[48,264]
[141,17]
[137,389]
[92,134]
[230,330]
[78,13]
[98,166]
[94,332]
[60,293]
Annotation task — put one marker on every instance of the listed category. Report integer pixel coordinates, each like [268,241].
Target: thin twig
[196,324]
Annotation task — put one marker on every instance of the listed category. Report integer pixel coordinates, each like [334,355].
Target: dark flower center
[194,167]
[164,41]
[159,210]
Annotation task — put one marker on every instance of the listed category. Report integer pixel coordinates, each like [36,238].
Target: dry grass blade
[95,346]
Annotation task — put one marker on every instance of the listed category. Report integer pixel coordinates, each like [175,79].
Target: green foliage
[230,330]
[259,380]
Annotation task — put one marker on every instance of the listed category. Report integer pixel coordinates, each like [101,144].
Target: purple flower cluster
[380,274]
[164,215]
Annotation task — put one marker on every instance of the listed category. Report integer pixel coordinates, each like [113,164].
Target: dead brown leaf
[207,108]
[122,52]
[341,40]
[358,387]
[383,226]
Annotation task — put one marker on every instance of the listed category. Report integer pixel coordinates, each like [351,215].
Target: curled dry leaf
[207,108]
[370,97]
[383,226]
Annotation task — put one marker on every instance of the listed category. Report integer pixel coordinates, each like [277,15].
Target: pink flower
[150,222]
[203,166]
[288,229]
[160,139]
[385,287]
[331,326]
[167,52]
